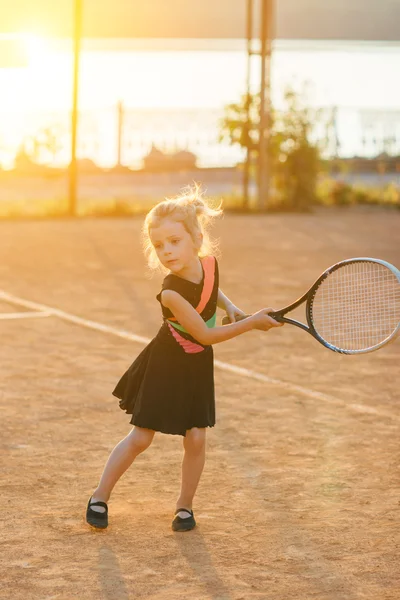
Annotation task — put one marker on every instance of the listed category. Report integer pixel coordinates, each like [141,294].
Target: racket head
[354,306]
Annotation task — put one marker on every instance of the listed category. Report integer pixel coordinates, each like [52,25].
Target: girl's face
[174,245]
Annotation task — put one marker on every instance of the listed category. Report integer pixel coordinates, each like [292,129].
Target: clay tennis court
[300,494]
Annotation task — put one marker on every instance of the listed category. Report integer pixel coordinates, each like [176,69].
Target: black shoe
[95,518]
[185,524]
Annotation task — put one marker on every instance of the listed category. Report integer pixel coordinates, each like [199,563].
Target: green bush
[339,193]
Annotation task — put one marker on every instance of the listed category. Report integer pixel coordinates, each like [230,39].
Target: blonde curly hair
[193,211]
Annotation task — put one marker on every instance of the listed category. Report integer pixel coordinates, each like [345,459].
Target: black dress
[170,385]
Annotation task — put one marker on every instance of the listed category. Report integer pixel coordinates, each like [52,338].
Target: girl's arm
[227,305]
[222,300]
[190,319]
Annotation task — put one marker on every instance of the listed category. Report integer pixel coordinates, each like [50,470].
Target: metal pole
[73,171]
[247,165]
[264,167]
[120,130]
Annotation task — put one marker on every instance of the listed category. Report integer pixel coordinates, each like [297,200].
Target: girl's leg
[192,466]
[119,460]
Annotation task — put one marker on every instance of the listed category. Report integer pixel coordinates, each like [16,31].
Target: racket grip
[277,317]
[226,321]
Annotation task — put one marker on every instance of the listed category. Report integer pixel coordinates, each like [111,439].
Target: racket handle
[277,317]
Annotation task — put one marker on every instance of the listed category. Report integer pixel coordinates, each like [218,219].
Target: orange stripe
[209,275]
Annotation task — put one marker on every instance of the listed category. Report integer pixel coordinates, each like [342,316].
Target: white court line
[291,387]
[72,318]
[24,315]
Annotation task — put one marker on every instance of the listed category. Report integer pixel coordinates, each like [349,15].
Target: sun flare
[37,47]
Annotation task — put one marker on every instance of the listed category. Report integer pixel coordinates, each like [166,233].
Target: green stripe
[210,323]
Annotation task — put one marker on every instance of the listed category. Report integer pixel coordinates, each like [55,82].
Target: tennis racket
[352,308]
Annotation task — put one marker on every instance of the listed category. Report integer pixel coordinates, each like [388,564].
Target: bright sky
[359,76]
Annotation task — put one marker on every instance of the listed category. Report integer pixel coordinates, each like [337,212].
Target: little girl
[170,385]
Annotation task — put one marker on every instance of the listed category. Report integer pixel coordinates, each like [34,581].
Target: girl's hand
[233,311]
[261,320]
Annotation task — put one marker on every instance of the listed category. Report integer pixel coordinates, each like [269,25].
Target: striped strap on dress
[209,278]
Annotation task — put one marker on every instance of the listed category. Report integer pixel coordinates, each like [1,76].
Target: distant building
[184,160]
[156,160]
[23,163]
[87,165]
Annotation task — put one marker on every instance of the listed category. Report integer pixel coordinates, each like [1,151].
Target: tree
[47,143]
[295,155]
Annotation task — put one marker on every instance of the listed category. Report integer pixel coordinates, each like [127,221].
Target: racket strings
[357,306]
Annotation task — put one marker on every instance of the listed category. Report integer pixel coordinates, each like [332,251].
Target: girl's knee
[140,438]
[195,440]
